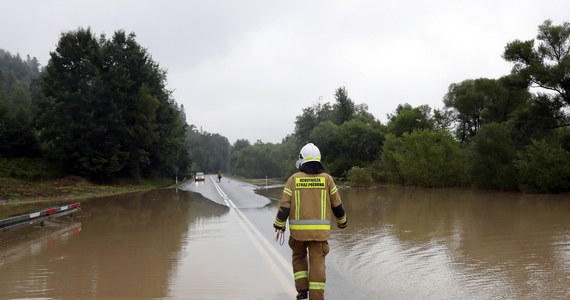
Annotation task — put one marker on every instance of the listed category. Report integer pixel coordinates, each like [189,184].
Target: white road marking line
[230,203]
[245,223]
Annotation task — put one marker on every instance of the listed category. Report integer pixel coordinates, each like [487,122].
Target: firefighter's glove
[342,223]
[278,228]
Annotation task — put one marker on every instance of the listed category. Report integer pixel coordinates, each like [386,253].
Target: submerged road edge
[251,230]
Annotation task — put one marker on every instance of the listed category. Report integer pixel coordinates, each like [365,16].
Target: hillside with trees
[209,152]
[19,95]
[99,109]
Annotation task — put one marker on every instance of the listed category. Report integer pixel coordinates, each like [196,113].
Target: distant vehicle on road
[199,176]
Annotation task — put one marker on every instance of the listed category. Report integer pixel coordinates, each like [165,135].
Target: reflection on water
[442,243]
[123,247]
[407,243]
[163,244]
[21,247]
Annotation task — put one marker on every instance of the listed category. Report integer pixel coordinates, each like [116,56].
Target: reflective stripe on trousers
[316,285]
[301,274]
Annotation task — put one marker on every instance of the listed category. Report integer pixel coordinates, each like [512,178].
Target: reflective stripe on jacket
[310,198]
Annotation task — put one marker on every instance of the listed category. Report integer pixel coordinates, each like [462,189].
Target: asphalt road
[255,215]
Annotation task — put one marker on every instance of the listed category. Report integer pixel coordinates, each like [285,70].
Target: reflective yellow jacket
[308,200]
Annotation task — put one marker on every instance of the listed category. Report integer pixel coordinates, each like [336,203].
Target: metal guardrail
[38,216]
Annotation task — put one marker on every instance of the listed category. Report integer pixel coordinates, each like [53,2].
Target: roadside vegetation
[100,110]
[16,191]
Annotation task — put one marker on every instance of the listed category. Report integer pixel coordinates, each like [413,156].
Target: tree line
[209,152]
[99,109]
[19,97]
[510,133]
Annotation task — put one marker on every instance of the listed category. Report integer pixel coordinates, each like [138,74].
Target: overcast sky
[246,69]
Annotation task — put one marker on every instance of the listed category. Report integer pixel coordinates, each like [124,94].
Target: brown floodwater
[401,243]
[163,244]
[407,243]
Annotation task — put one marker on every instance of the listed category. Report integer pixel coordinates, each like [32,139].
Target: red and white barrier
[38,216]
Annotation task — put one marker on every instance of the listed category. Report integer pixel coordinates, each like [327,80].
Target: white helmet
[308,153]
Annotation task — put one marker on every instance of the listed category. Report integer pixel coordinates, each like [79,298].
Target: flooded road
[206,243]
[163,244]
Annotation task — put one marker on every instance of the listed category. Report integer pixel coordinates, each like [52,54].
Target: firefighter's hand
[279,228]
[343,224]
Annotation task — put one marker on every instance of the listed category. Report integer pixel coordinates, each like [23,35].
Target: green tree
[363,115]
[169,155]
[240,144]
[467,103]
[546,64]
[153,126]
[480,101]
[504,96]
[266,159]
[423,158]
[442,119]
[17,106]
[311,117]
[17,137]
[133,90]
[286,154]
[358,176]
[344,108]
[536,119]
[71,125]
[356,144]
[256,161]
[544,167]
[109,113]
[209,152]
[324,136]
[407,119]
[490,158]
[17,68]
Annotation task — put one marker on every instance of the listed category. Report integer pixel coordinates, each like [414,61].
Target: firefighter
[305,201]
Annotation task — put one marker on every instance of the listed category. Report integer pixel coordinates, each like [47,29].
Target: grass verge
[16,191]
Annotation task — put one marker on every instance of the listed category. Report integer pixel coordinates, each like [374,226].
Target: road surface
[255,214]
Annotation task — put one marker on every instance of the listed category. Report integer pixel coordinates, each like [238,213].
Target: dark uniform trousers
[309,275]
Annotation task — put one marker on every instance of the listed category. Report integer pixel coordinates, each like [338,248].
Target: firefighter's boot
[302,295]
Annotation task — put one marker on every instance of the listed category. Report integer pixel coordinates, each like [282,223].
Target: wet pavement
[260,212]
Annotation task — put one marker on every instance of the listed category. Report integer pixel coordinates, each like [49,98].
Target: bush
[544,167]
[423,158]
[358,176]
[490,158]
[25,168]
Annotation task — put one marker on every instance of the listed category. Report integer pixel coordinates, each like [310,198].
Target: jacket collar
[312,167]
